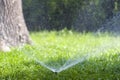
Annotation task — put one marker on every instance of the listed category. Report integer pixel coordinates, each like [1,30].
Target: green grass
[55,49]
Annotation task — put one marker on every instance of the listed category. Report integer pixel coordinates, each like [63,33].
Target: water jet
[60,50]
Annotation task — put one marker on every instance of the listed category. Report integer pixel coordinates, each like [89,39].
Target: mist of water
[88,17]
[77,58]
[111,25]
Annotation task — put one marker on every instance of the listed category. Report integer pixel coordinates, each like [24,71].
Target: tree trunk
[13,30]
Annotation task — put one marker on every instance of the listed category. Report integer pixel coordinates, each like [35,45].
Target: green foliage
[55,14]
[60,14]
[63,13]
[16,65]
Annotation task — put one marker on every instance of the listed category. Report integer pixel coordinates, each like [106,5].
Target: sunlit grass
[55,49]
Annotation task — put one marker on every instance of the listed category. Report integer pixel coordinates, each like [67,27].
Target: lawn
[64,55]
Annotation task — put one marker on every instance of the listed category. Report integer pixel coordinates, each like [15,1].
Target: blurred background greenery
[79,15]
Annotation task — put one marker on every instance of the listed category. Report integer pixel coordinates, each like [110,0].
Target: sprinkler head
[55,73]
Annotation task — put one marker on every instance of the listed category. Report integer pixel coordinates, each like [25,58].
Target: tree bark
[13,30]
